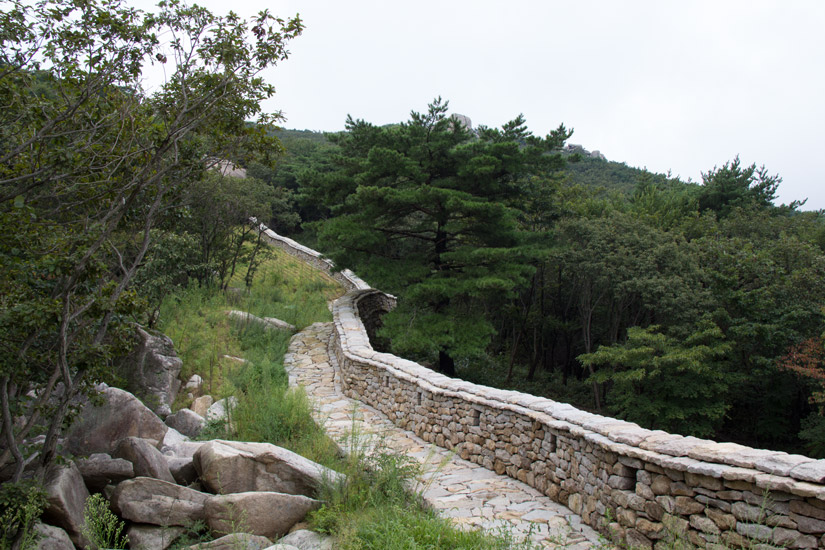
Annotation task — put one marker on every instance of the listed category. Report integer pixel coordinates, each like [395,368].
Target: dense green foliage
[92,168]
[677,304]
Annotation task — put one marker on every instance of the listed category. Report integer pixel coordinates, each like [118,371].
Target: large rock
[152,537]
[182,469]
[183,449]
[172,438]
[148,500]
[52,538]
[260,513]
[100,470]
[151,371]
[187,422]
[235,541]
[222,408]
[235,467]
[66,497]
[146,459]
[303,539]
[99,428]
[202,404]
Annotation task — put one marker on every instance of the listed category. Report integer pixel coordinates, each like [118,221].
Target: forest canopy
[694,308]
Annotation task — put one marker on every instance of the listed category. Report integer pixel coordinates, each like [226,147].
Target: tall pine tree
[430,217]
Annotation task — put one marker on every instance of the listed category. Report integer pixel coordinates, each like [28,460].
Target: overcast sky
[666,85]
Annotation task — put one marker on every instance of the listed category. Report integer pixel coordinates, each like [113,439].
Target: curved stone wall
[644,481]
[620,478]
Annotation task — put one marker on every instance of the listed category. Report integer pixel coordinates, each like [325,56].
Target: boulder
[303,539]
[235,541]
[151,371]
[99,428]
[222,408]
[145,458]
[66,499]
[261,513]
[152,537]
[148,500]
[202,404]
[51,538]
[194,384]
[172,438]
[187,422]
[182,449]
[182,469]
[235,467]
[100,470]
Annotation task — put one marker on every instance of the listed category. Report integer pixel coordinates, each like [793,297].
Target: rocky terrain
[161,482]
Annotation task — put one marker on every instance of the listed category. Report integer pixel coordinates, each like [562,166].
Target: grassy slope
[373,509]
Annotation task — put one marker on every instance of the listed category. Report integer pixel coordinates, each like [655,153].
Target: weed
[101,526]
[20,506]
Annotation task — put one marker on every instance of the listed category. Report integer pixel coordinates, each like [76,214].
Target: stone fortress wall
[620,478]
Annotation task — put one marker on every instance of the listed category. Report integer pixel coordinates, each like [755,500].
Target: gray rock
[66,499]
[182,469]
[187,422]
[98,429]
[235,467]
[202,404]
[194,384]
[145,458]
[267,322]
[100,470]
[152,370]
[810,471]
[303,539]
[52,538]
[148,500]
[235,541]
[222,408]
[261,513]
[152,537]
[172,438]
[184,449]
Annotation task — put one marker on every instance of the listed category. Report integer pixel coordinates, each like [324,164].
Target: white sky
[666,85]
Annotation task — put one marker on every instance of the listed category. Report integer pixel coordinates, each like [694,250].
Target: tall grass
[267,410]
[374,507]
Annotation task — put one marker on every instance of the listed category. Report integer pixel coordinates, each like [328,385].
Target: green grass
[374,507]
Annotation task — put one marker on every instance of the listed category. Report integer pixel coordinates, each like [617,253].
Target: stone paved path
[459,489]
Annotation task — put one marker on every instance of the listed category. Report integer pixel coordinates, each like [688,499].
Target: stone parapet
[347,278]
[636,483]
[622,479]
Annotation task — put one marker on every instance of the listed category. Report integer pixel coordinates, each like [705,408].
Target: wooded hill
[693,308]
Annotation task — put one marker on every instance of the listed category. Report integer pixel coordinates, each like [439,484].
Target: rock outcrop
[152,370]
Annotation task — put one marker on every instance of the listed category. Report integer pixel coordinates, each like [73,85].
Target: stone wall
[347,278]
[643,482]
[622,479]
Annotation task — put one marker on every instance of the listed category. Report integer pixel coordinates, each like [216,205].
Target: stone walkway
[459,489]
